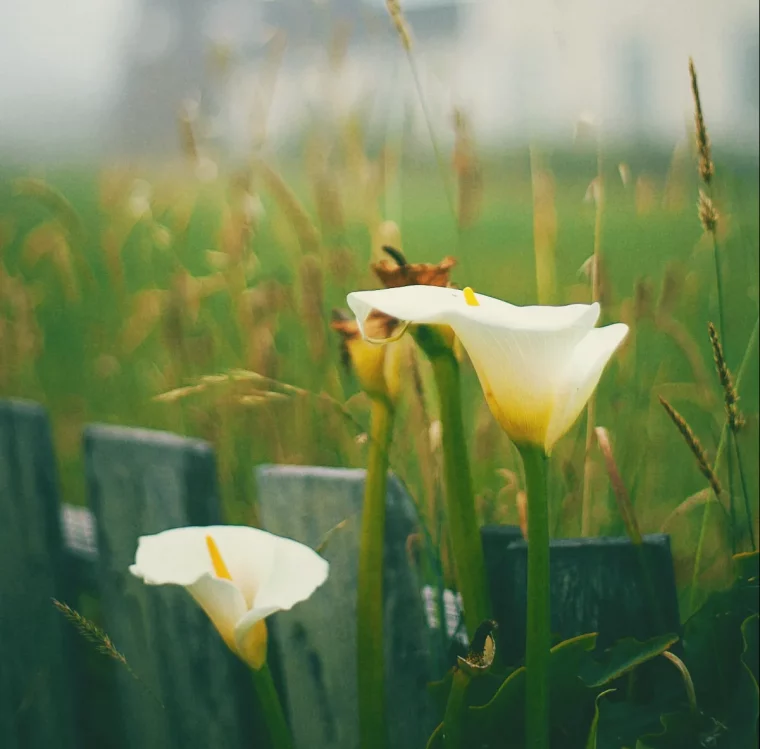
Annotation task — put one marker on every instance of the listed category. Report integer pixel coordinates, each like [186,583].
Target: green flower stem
[460,504]
[453,719]
[271,708]
[369,606]
[539,624]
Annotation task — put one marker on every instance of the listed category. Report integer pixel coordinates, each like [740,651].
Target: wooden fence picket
[317,639]
[192,692]
[37,669]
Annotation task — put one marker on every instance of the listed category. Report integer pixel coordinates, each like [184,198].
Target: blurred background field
[123,286]
[235,176]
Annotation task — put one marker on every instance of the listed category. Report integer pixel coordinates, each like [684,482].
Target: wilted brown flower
[400,273]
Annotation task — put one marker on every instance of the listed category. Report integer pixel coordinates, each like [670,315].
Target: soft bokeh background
[101,78]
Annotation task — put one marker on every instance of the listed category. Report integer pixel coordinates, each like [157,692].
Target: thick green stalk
[369,606]
[453,719]
[460,503]
[271,709]
[538,641]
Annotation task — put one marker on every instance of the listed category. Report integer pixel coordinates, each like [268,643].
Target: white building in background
[111,76]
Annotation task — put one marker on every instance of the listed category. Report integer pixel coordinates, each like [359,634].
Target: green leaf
[750,637]
[747,567]
[679,732]
[713,647]
[506,710]
[436,738]
[591,741]
[623,656]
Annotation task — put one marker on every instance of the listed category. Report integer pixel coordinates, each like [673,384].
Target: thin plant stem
[369,608]
[722,333]
[718,455]
[431,132]
[739,376]
[591,407]
[691,695]
[731,505]
[538,640]
[271,708]
[460,503]
[745,492]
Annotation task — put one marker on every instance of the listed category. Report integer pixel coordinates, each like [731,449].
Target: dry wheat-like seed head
[695,446]
[708,215]
[731,397]
[706,165]
[402,28]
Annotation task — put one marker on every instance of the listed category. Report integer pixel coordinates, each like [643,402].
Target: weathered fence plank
[37,677]
[317,639]
[192,692]
[597,585]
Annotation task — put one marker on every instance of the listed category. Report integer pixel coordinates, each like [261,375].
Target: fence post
[597,585]
[192,693]
[317,640]
[37,678]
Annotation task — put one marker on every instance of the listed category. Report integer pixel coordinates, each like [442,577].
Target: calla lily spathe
[237,574]
[538,366]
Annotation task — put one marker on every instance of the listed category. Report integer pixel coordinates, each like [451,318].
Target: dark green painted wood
[37,676]
[317,639]
[597,585]
[143,482]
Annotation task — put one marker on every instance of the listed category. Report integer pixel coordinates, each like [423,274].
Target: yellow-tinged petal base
[252,648]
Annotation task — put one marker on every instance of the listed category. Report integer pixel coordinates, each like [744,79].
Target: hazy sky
[67,48]
[62,60]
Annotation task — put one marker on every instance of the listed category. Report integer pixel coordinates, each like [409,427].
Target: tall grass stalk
[752,343]
[709,217]
[402,29]
[369,609]
[595,280]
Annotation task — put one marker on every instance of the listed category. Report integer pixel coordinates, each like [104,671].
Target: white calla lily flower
[237,574]
[538,366]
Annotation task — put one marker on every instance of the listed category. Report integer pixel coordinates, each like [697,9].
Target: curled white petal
[581,377]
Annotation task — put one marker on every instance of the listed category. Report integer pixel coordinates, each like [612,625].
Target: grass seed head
[735,417]
[708,214]
[706,167]
[695,446]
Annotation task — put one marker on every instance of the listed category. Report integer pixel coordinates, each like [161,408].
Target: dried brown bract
[400,273]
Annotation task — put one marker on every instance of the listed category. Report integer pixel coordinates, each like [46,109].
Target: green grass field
[100,312]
